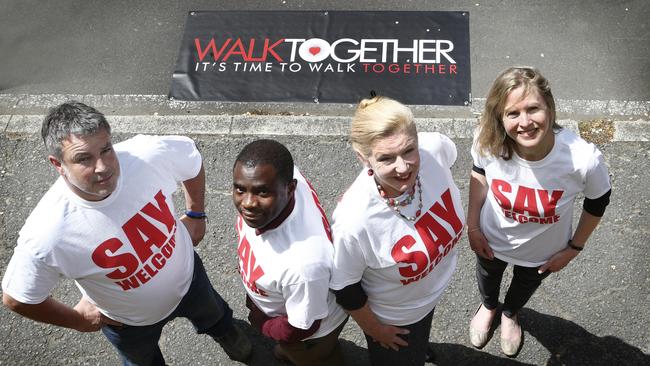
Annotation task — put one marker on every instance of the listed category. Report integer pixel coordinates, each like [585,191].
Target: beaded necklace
[395,204]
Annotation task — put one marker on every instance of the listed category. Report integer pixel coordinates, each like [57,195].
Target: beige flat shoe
[480,338]
[511,347]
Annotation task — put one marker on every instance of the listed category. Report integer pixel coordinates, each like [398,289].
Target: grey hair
[70,118]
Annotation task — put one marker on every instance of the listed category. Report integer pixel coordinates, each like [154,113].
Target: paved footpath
[118,55]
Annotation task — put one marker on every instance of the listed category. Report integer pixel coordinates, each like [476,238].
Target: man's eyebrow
[80,154]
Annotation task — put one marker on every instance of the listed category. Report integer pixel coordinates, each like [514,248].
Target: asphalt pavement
[118,56]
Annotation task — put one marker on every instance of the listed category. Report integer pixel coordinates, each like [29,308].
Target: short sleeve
[597,178]
[349,261]
[448,151]
[28,279]
[182,156]
[441,147]
[306,302]
[476,157]
[175,155]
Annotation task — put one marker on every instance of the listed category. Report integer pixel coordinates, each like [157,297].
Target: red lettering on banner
[248,268]
[238,49]
[437,240]
[269,49]
[210,47]
[131,270]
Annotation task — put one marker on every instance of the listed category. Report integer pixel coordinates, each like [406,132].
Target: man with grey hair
[108,223]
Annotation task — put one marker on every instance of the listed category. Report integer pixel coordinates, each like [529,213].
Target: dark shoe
[236,344]
[279,354]
[431,355]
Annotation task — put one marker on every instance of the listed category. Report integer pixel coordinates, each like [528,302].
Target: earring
[371,172]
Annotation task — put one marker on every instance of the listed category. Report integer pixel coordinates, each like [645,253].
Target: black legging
[525,280]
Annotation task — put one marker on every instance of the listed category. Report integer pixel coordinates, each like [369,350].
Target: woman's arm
[478,191]
[559,260]
[386,335]
[354,301]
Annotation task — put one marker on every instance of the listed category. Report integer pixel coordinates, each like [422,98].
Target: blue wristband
[195,214]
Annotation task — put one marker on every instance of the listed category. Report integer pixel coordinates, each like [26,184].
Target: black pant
[525,280]
[413,354]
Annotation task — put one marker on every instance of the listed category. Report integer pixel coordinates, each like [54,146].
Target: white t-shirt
[286,270]
[128,253]
[403,266]
[528,213]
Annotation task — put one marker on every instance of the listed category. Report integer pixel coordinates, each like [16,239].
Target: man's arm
[194,190]
[84,317]
[277,328]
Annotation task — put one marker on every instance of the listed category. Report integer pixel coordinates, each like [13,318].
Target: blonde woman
[527,174]
[395,230]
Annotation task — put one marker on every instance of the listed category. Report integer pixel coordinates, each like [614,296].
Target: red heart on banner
[314,50]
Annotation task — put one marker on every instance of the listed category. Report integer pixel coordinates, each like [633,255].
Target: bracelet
[196,214]
[574,247]
[473,230]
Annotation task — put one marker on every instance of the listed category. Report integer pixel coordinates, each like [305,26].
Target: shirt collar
[278,220]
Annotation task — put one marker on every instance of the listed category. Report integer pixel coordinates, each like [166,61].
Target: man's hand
[387,336]
[479,244]
[558,261]
[196,228]
[92,319]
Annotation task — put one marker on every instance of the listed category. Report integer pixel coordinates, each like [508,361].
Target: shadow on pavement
[570,344]
[452,354]
[263,349]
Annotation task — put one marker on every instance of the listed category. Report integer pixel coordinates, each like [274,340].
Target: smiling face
[526,120]
[396,162]
[88,165]
[258,194]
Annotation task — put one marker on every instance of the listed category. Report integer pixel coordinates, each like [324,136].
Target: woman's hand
[387,336]
[559,260]
[479,244]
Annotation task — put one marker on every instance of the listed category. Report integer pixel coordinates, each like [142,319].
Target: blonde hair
[376,118]
[492,139]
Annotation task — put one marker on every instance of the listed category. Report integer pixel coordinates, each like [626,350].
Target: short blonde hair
[376,118]
[492,139]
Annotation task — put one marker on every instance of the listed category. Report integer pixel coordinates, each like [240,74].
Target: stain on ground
[598,131]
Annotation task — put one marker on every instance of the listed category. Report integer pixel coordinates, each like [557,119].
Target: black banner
[324,56]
